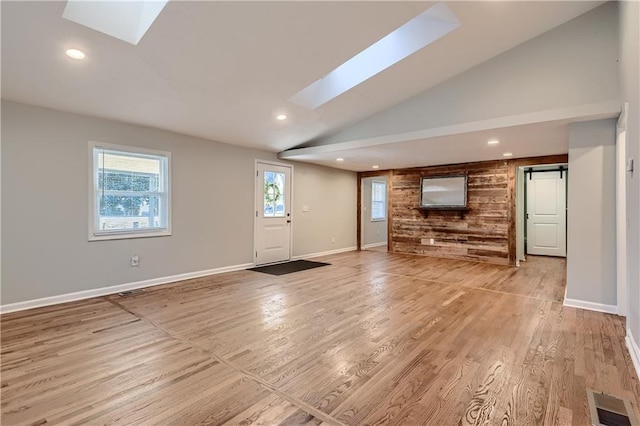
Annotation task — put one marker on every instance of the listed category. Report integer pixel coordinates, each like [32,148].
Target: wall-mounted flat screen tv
[444,192]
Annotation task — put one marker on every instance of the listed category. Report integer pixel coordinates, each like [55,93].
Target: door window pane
[274,191]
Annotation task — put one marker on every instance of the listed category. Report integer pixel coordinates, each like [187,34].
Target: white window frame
[373,200]
[96,234]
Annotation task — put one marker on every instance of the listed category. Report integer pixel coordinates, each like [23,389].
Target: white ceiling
[223,70]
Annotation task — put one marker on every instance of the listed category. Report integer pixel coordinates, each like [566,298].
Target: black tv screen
[444,192]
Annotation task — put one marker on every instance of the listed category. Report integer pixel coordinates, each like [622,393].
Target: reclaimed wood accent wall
[486,233]
[480,234]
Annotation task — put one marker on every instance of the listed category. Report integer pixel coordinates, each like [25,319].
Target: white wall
[44,201]
[373,232]
[573,64]
[591,220]
[630,88]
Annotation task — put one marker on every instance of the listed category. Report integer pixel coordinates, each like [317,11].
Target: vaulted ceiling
[224,70]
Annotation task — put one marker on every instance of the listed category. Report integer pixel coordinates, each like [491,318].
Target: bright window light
[124,20]
[378,200]
[129,196]
[414,35]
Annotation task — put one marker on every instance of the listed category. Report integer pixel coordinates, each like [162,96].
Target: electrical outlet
[333,240]
[135,261]
[431,241]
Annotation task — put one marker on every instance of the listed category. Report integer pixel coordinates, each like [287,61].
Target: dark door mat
[288,267]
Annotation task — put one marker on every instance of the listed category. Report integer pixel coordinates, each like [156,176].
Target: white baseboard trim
[324,253]
[591,306]
[634,351]
[368,246]
[103,291]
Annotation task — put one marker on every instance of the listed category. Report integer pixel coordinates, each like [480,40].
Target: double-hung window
[378,200]
[129,195]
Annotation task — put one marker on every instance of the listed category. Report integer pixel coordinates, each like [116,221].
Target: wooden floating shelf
[461,210]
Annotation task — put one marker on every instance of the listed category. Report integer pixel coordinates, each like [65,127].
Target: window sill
[130,235]
[379,220]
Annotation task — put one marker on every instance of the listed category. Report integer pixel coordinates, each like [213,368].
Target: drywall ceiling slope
[566,75]
[574,64]
[223,70]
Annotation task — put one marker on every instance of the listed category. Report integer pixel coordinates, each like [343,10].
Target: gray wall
[573,64]
[44,199]
[372,232]
[630,88]
[591,221]
[330,196]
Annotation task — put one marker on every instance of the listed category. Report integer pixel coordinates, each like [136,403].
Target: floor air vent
[607,410]
[130,292]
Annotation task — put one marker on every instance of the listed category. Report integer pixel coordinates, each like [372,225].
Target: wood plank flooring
[375,338]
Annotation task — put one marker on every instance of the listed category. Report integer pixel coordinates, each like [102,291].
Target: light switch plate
[630,164]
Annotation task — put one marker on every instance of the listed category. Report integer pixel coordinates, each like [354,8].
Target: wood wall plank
[480,234]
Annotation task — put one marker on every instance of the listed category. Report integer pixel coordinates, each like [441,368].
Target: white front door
[546,213]
[273,213]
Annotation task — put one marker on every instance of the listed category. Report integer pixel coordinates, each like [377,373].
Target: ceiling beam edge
[584,112]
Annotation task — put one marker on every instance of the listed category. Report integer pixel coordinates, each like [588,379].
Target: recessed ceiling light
[507,154]
[339,159]
[493,142]
[375,166]
[75,54]
[281,117]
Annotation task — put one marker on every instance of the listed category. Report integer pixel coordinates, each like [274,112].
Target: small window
[378,200]
[129,193]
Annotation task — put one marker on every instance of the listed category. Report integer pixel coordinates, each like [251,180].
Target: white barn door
[546,213]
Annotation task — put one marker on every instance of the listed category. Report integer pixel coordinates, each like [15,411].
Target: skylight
[124,20]
[414,35]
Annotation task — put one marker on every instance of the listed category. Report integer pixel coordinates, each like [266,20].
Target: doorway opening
[373,217]
[541,211]
[373,222]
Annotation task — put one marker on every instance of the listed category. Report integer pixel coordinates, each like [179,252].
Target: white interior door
[273,213]
[546,213]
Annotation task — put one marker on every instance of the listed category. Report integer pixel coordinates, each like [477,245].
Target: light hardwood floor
[375,338]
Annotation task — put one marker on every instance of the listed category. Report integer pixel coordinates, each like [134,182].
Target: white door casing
[546,213]
[272,213]
[621,213]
